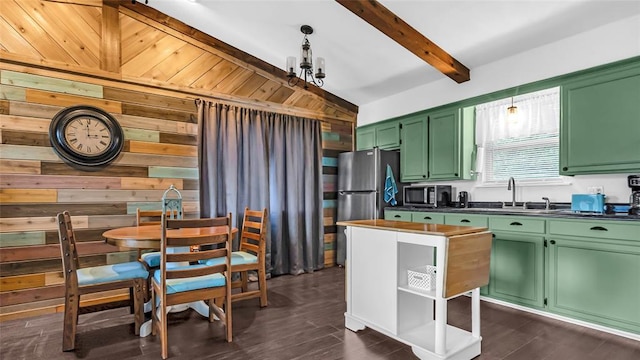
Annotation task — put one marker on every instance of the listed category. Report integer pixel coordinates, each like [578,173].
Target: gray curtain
[260,159]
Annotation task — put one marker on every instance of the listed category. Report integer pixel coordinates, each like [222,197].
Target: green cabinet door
[384,136]
[413,149]
[600,123]
[595,281]
[517,268]
[365,138]
[388,135]
[444,144]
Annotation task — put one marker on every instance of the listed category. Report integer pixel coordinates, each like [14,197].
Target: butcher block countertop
[411,227]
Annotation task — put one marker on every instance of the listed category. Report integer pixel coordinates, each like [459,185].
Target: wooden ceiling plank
[90,15]
[74,19]
[138,41]
[195,69]
[234,80]
[43,14]
[215,75]
[404,34]
[34,34]
[173,63]
[13,42]
[250,86]
[266,90]
[151,56]
[281,95]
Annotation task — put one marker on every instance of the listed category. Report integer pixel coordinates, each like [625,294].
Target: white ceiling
[364,65]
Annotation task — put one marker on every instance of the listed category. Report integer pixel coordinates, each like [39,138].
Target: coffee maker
[634,199]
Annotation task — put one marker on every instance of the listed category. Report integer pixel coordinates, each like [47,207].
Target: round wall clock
[86,136]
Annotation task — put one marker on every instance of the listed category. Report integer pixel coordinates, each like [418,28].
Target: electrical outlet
[595,189]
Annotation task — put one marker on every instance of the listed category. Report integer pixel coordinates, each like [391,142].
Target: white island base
[379,252]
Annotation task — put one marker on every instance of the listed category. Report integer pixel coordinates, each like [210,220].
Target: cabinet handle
[565,168]
[465,221]
[424,176]
[553,242]
[427,217]
[455,174]
[599,228]
[516,223]
[396,216]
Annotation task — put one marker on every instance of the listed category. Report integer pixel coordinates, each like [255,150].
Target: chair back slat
[196,255]
[196,223]
[68,250]
[195,271]
[251,247]
[196,241]
[252,236]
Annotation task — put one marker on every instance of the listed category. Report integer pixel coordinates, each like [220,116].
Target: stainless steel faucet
[511,185]
[547,203]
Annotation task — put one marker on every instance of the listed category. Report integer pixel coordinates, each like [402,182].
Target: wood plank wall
[160,132]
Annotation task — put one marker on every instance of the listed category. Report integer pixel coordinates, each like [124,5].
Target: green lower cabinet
[517,268]
[466,220]
[427,218]
[595,281]
[397,215]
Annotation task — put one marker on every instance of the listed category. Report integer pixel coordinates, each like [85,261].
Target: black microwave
[427,195]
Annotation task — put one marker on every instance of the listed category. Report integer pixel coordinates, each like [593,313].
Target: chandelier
[306,64]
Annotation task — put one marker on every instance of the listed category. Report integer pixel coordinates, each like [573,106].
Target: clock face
[86,137]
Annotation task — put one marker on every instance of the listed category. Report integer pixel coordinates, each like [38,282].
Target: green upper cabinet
[365,138]
[384,136]
[388,135]
[413,149]
[600,123]
[444,144]
[438,145]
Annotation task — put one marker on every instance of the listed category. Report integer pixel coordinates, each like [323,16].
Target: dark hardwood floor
[304,320]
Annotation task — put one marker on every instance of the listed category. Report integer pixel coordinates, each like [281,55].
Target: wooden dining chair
[182,277]
[250,256]
[88,280]
[154,217]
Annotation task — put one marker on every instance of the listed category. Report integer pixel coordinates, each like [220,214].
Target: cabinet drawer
[619,230]
[466,220]
[397,215]
[427,218]
[517,224]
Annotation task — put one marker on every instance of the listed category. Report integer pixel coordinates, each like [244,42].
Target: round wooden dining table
[148,236]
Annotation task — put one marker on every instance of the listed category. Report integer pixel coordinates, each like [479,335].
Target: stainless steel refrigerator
[361,183]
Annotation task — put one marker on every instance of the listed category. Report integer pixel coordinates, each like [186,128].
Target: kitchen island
[380,253]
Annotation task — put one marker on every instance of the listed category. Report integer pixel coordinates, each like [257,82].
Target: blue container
[592,203]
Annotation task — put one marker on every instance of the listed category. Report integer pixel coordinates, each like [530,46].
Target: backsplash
[615,189]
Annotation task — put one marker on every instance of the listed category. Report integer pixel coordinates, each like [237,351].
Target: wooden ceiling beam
[397,29]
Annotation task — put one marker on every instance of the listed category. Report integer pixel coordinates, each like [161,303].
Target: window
[524,145]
